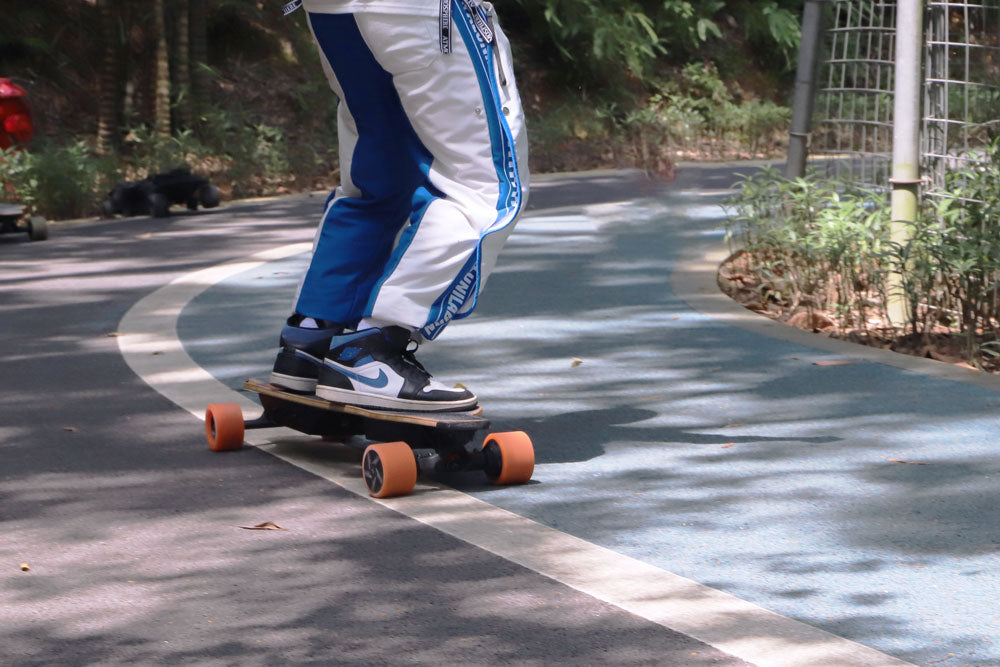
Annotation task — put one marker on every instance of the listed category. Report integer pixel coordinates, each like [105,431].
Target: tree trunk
[161,114]
[108,126]
[198,53]
[182,60]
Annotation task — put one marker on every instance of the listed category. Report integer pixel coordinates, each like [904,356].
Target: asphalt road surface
[131,528]
[707,491]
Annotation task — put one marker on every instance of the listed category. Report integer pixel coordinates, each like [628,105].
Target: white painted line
[149,342]
[148,339]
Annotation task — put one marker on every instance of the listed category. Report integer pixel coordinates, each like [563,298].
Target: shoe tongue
[396,337]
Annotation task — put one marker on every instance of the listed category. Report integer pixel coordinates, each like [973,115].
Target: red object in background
[15,118]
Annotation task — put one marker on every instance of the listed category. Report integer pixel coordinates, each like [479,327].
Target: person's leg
[382,165]
[380,161]
[461,123]
[467,112]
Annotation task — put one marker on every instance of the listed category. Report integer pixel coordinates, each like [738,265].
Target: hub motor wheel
[510,457]
[389,469]
[224,426]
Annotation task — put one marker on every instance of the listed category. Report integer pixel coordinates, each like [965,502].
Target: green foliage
[15,176]
[597,41]
[758,121]
[70,181]
[601,40]
[146,152]
[228,147]
[959,232]
[264,118]
[824,246]
[259,153]
[56,181]
[770,22]
[699,112]
[813,244]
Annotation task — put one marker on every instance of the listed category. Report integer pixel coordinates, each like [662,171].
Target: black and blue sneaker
[301,353]
[376,368]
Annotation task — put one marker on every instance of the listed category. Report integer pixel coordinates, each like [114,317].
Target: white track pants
[433,157]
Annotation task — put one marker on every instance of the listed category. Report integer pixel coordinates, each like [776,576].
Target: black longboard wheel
[38,228]
[224,426]
[510,457]
[389,469]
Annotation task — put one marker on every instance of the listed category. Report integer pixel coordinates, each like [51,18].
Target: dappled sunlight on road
[670,435]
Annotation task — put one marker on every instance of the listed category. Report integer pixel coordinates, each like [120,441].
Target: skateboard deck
[405,441]
[466,420]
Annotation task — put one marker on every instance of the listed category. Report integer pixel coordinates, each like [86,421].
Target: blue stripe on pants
[461,297]
[389,167]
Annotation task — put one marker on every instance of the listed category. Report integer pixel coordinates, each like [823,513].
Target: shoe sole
[293,383]
[361,399]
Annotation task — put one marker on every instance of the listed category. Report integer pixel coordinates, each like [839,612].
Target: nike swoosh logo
[380,381]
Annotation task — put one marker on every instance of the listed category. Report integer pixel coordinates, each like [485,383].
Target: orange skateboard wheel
[224,426]
[389,469]
[510,457]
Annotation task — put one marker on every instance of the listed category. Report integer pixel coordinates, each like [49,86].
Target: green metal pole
[905,178]
[805,89]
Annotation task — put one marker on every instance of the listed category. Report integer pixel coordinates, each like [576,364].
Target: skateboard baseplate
[404,443]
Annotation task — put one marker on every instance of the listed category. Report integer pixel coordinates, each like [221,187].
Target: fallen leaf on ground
[912,463]
[576,362]
[267,525]
[833,362]
[813,321]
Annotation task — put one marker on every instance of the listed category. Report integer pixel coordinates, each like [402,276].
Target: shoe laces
[408,355]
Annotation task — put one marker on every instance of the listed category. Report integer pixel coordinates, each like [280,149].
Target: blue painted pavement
[709,450]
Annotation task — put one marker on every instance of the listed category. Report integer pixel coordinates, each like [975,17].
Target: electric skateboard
[403,443]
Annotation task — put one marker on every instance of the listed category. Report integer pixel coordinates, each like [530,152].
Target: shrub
[57,181]
[816,244]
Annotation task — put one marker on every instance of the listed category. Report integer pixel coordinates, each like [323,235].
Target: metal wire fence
[852,127]
[854,96]
[961,87]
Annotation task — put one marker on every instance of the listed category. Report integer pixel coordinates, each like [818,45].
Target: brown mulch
[940,344]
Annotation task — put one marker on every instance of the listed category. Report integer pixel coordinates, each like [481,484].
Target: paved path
[131,529]
[697,456]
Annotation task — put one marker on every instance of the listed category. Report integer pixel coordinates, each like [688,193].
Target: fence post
[805,89]
[905,178]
